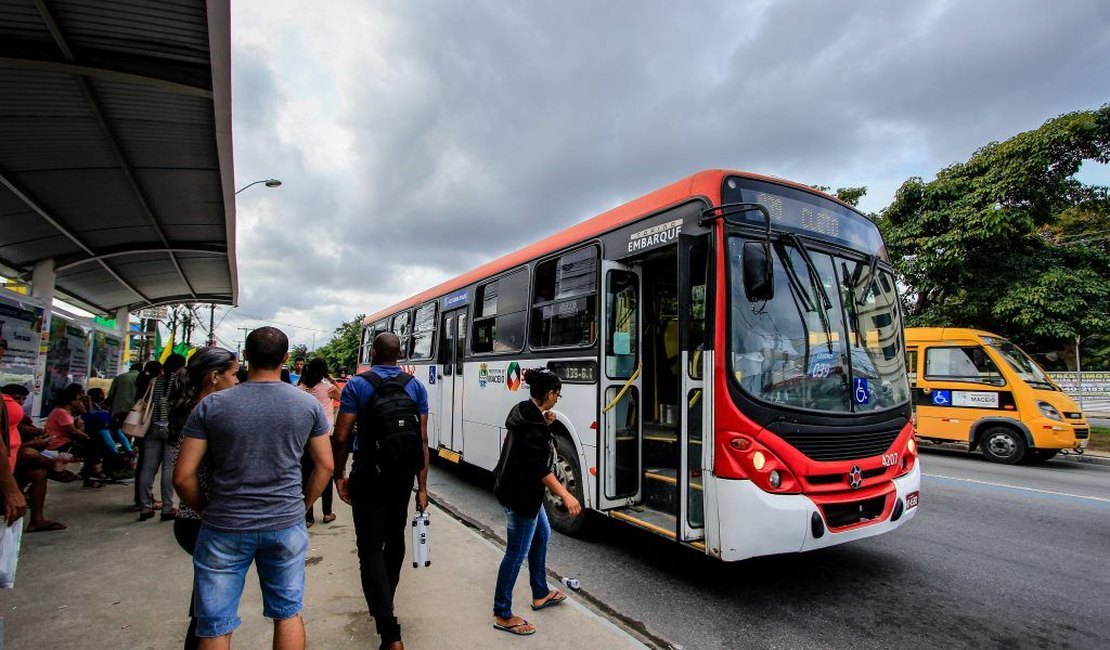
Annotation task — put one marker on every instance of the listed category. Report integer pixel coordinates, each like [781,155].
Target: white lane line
[1018,487]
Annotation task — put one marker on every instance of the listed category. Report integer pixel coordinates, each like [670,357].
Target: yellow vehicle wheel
[1003,445]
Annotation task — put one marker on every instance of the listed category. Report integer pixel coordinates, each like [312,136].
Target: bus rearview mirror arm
[759,270]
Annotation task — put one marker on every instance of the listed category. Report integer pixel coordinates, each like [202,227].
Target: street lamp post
[270,182]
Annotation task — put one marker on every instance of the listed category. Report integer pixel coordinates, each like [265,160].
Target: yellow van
[976,387]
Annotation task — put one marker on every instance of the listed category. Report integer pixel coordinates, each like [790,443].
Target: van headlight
[1049,411]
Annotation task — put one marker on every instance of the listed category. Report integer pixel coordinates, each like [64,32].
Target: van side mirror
[759,271]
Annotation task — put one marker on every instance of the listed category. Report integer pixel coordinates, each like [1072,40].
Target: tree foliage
[342,350]
[298,350]
[850,195]
[1009,240]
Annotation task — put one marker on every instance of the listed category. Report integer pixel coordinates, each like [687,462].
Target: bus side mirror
[759,271]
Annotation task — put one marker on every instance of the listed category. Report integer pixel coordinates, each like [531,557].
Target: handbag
[138,418]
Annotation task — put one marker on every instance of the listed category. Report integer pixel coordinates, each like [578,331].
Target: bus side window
[500,314]
[564,300]
[423,332]
[911,365]
[401,327]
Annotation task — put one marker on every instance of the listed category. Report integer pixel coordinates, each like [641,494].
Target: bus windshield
[829,340]
[1025,367]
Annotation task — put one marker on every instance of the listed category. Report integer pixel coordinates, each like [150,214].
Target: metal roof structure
[115,149]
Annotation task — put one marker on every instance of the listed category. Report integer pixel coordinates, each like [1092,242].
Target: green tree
[298,350]
[342,349]
[850,195]
[1007,241]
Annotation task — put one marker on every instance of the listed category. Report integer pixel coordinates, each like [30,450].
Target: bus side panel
[429,375]
[487,400]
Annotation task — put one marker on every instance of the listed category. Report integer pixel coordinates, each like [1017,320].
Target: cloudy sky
[416,140]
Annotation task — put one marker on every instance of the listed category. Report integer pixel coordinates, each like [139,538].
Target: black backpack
[389,438]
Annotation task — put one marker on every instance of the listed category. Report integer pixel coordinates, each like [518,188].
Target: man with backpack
[391,410]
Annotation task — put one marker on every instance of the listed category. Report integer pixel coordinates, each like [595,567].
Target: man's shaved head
[386,348]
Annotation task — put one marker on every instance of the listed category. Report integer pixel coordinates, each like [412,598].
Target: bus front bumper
[753,522]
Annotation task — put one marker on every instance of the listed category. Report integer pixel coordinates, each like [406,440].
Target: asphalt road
[997,557]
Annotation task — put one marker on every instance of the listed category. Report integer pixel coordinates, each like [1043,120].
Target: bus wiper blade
[796,282]
[819,287]
[814,277]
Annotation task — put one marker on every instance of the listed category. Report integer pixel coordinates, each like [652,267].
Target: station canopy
[115,149]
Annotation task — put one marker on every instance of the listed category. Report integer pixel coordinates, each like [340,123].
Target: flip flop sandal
[328,518]
[93,483]
[514,629]
[552,601]
[54,525]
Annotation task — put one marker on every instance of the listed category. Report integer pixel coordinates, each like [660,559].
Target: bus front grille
[829,445]
[1082,434]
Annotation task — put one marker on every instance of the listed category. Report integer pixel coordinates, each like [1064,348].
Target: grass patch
[1100,439]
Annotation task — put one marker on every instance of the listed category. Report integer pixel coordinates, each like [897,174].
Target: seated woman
[64,433]
[98,425]
[30,477]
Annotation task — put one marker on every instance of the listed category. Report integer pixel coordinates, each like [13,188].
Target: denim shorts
[220,563]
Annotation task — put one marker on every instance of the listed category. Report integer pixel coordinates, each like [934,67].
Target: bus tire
[1003,445]
[569,473]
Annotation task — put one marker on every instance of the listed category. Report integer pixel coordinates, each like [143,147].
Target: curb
[636,629]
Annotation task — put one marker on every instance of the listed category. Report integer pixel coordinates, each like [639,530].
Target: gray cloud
[417,140]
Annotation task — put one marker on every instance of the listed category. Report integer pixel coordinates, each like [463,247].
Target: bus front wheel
[569,473]
[1002,445]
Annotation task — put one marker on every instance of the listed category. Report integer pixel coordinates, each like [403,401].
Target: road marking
[1018,487]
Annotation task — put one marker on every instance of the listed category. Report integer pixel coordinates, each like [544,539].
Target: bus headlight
[758,460]
[911,446]
[1049,411]
[775,478]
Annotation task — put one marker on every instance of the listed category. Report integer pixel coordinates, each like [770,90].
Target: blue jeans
[527,538]
[156,453]
[220,563]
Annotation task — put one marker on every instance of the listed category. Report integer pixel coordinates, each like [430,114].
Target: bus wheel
[1002,445]
[570,475]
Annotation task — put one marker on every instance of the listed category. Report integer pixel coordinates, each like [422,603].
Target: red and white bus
[732,358]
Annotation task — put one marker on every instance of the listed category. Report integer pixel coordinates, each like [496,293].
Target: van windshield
[1026,368]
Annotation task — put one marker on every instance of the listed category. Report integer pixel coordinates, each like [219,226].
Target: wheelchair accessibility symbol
[942,398]
[859,390]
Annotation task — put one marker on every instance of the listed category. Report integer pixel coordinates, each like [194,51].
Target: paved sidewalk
[110,581]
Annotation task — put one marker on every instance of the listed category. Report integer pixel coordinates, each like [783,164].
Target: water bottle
[572,583]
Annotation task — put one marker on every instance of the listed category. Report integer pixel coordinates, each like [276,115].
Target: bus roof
[705,183]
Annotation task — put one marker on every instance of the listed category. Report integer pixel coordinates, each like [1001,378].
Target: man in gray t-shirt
[253,435]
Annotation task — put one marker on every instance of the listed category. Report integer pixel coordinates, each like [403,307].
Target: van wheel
[570,475]
[1002,445]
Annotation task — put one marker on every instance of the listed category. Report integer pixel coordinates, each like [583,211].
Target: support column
[42,288]
[123,326]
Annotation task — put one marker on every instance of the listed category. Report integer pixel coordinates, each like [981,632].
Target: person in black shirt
[522,474]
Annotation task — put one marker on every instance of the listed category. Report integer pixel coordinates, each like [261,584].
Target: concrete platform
[109,581]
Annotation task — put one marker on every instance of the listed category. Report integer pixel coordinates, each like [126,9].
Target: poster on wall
[21,327]
[105,355]
[67,360]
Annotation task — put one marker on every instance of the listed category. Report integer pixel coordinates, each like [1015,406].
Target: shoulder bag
[138,418]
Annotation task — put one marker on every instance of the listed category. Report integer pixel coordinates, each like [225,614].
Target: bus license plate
[911,500]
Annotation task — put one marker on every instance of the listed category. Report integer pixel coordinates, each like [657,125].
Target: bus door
[695,412]
[619,448]
[452,338]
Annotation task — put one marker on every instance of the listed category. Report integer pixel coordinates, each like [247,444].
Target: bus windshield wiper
[818,287]
[796,282]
